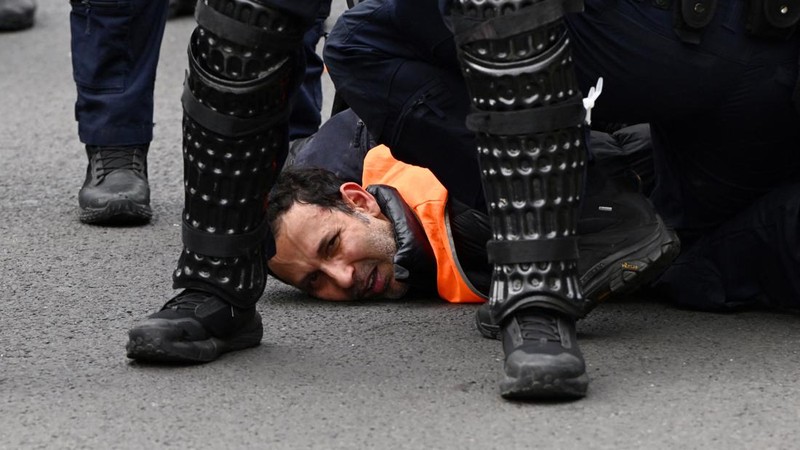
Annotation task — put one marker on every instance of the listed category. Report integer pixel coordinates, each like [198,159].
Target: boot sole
[530,387]
[618,274]
[154,341]
[17,22]
[117,213]
[621,273]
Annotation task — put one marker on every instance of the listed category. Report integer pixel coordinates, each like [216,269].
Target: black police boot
[16,14]
[194,327]
[115,190]
[542,357]
[624,244]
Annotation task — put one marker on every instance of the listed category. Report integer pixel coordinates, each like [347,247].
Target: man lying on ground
[337,240]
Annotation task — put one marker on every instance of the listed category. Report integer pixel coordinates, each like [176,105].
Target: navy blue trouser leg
[394,63]
[306,116]
[753,260]
[721,140]
[115,49]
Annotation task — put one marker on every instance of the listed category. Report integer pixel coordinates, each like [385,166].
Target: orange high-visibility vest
[428,199]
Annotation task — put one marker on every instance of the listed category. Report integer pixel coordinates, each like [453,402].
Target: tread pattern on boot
[632,271]
[531,388]
[152,348]
[117,212]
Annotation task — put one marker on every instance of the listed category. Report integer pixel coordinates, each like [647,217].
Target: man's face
[337,256]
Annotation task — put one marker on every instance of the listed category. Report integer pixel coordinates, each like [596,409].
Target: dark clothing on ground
[752,260]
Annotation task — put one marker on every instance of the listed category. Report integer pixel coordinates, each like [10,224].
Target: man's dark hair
[311,186]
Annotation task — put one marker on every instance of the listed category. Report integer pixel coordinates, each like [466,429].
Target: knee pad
[528,119]
[243,65]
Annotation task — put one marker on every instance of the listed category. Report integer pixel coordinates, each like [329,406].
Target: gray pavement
[411,374]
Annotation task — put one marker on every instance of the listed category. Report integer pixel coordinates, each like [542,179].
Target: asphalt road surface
[410,374]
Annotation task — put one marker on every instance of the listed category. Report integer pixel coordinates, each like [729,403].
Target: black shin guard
[528,119]
[242,67]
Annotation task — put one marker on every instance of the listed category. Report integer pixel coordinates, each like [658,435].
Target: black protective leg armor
[528,119]
[243,60]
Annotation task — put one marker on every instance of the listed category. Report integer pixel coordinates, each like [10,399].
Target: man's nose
[340,272]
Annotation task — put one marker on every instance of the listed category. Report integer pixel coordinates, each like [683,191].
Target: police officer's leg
[115,49]
[403,81]
[517,63]
[720,141]
[244,62]
[750,261]
[306,115]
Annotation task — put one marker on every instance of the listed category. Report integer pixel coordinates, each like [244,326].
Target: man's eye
[332,243]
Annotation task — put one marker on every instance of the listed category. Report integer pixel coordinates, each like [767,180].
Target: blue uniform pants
[115,48]
[725,130]
[750,261]
[306,114]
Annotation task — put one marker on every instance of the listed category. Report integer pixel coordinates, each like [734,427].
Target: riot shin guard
[243,64]
[528,119]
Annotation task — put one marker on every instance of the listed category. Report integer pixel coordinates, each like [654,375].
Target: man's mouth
[375,284]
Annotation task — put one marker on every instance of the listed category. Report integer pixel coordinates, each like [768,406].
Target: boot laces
[111,159]
[185,300]
[191,301]
[539,327]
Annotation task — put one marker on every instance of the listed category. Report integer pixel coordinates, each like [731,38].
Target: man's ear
[357,197]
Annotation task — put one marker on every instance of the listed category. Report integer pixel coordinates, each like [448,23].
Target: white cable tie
[588,102]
